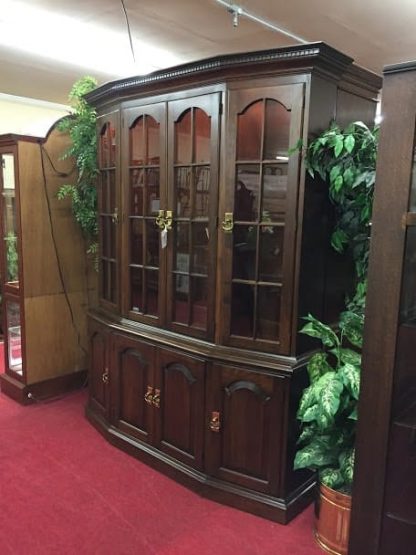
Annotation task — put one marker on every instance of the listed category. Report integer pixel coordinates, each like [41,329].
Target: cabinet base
[27,394]
[275,509]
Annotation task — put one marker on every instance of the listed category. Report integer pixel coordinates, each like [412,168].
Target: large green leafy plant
[345,159]
[81,126]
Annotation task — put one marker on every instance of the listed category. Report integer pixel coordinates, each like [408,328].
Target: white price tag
[164,238]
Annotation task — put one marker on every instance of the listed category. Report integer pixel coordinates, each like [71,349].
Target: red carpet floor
[65,490]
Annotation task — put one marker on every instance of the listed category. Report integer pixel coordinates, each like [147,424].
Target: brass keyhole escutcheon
[228,223]
[214,422]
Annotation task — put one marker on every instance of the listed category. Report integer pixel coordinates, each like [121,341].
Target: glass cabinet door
[192,205]
[258,223]
[144,199]
[108,208]
[10,225]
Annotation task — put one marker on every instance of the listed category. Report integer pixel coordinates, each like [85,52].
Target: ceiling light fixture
[237,11]
[67,40]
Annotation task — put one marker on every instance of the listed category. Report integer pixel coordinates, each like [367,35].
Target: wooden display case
[44,270]
[383,519]
[214,243]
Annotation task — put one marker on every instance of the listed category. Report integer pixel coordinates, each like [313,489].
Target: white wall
[27,116]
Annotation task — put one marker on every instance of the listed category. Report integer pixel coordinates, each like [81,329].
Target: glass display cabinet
[383,519]
[43,269]
[213,245]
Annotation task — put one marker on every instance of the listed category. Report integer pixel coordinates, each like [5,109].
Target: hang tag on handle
[164,238]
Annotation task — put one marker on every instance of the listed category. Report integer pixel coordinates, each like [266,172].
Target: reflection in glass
[181,304]
[202,179]
[104,147]
[136,192]
[242,309]
[183,139]
[268,313]
[153,141]
[200,248]
[112,190]
[199,302]
[412,203]
[113,281]
[151,293]
[137,142]
[136,241]
[274,192]
[244,252]
[8,171]
[202,137]
[182,247]
[153,191]
[250,131]
[152,242]
[277,130]
[183,192]
[112,232]
[247,193]
[105,237]
[408,293]
[136,289]
[14,339]
[12,258]
[270,255]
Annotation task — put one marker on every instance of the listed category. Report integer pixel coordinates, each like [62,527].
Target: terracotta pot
[332,520]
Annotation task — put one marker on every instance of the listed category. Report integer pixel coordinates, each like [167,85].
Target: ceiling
[374,33]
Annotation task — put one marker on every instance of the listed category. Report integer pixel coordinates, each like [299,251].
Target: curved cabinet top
[305,58]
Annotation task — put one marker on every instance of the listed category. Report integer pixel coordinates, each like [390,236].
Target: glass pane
[152,277]
[245,245]
[277,131]
[274,192]
[271,251]
[12,257]
[14,339]
[105,278]
[105,236]
[136,192]
[112,140]
[153,141]
[268,313]
[408,295]
[183,139]
[199,302]
[112,190]
[181,293]
[136,241]
[250,131]
[242,309]
[152,243]
[181,259]
[104,192]
[202,179]
[113,231]
[113,282]
[137,143]
[202,125]
[153,191]
[247,193]
[200,248]
[8,171]
[183,192]
[136,289]
[104,147]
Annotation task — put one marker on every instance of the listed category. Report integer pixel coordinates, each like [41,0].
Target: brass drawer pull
[156,399]
[148,396]
[104,377]
[215,423]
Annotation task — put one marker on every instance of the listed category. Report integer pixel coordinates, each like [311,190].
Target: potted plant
[328,407]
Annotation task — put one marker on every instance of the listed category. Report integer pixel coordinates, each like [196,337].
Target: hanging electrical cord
[236,11]
[128,30]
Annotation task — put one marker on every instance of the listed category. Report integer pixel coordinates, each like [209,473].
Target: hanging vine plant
[81,127]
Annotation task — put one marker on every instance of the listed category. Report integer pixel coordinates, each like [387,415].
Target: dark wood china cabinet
[214,243]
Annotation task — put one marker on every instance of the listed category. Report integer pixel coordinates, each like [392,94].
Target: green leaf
[349,356]
[339,240]
[317,366]
[307,433]
[331,477]
[351,378]
[346,462]
[339,145]
[317,329]
[307,400]
[331,388]
[315,455]
[311,414]
[349,143]
[354,414]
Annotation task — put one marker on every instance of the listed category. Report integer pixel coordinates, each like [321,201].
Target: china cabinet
[213,244]
[43,269]
[384,510]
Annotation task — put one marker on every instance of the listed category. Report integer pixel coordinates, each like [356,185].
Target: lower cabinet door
[99,373]
[179,426]
[132,387]
[245,428]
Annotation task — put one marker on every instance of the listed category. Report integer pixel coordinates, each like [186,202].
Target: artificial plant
[81,127]
[346,160]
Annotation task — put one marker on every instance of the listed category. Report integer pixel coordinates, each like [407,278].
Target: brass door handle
[228,223]
[148,396]
[104,377]
[156,399]
[160,219]
[215,422]
[114,216]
